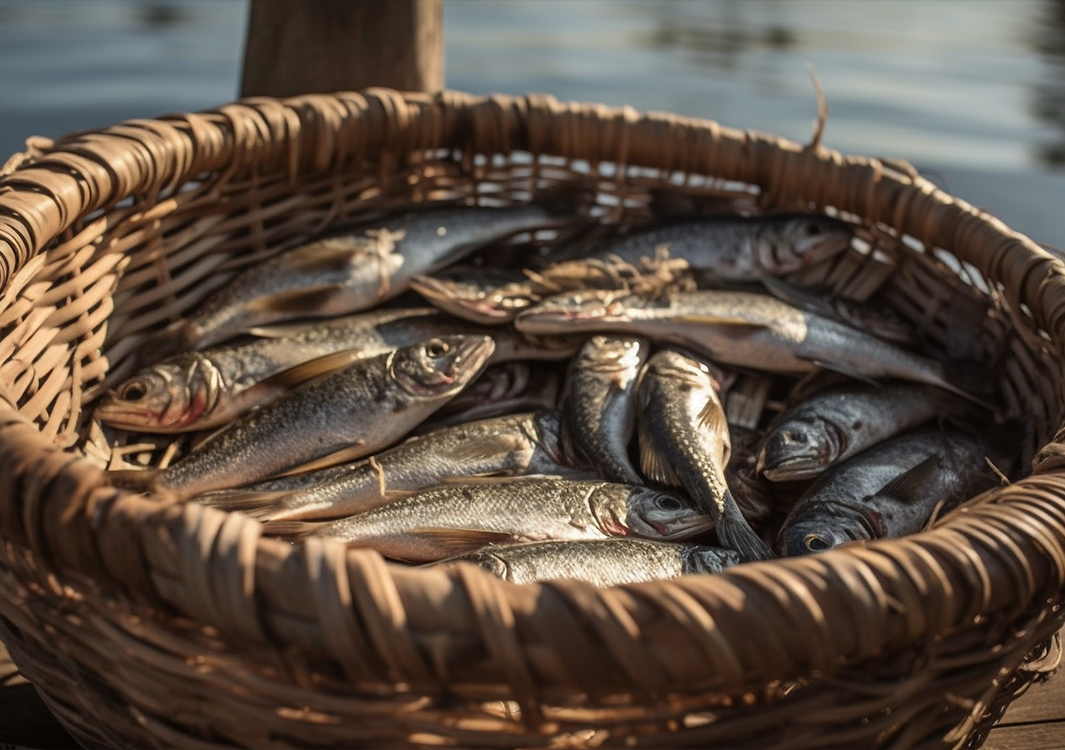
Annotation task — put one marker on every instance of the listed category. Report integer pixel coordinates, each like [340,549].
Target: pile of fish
[564,415]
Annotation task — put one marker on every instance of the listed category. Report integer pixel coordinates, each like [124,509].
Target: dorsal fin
[907,486]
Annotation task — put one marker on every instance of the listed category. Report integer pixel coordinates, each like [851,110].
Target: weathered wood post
[318,46]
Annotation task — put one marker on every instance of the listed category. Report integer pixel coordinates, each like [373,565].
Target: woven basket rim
[1003,554]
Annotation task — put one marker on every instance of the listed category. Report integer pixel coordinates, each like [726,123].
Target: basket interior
[72,318]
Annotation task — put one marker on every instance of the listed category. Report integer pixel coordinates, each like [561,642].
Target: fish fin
[257,504]
[718,320]
[654,466]
[295,530]
[327,255]
[712,417]
[301,373]
[492,478]
[850,372]
[734,532]
[798,297]
[354,451]
[309,301]
[462,541]
[907,485]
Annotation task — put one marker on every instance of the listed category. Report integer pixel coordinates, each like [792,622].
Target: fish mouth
[792,468]
[686,528]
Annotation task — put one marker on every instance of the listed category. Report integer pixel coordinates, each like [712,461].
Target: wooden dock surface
[1036,721]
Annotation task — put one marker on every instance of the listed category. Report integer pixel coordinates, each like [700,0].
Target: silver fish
[354,411]
[684,440]
[456,518]
[598,409]
[837,423]
[603,562]
[350,272]
[207,389]
[738,328]
[513,445]
[739,248]
[889,490]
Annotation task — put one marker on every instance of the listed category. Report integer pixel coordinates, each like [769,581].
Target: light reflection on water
[973,91]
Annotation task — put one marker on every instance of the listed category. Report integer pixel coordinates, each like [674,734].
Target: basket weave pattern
[161,625]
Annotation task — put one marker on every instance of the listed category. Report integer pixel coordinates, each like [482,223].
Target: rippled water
[971,92]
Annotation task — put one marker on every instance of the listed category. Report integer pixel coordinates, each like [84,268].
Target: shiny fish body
[848,502]
[207,389]
[455,518]
[837,423]
[736,328]
[350,272]
[684,440]
[513,445]
[598,409]
[739,248]
[359,409]
[603,562]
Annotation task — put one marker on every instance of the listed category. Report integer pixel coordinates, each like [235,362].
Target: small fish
[210,388]
[350,272]
[603,562]
[890,490]
[684,441]
[598,408]
[839,422]
[743,329]
[456,518]
[355,411]
[739,248]
[513,445]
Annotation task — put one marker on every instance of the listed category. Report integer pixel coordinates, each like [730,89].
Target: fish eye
[134,391]
[437,348]
[668,502]
[816,543]
[812,228]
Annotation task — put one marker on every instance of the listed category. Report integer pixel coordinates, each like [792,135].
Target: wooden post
[320,46]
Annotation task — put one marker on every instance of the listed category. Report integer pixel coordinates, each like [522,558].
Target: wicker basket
[155,625]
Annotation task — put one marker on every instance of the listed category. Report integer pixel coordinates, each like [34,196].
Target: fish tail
[734,532]
[295,531]
[257,504]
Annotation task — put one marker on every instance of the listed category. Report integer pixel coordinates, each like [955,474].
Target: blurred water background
[970,91]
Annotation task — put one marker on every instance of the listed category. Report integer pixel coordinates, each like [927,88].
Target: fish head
[795,242]
[655,514]
[440,366]
[826,527]
[164,397]
[583,310]
[800,449]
